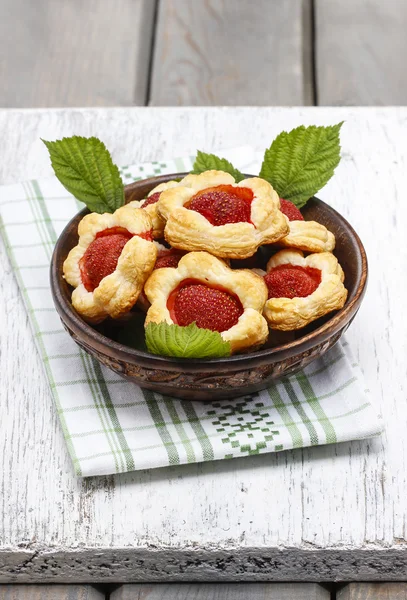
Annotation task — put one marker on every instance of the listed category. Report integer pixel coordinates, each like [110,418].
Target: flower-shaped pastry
[230,220]
[309,236]
[204,290]
[149,204]
[301,290]
[114,256]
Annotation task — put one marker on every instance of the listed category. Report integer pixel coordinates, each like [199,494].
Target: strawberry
[151,199]
[168,259]
[204,206]
[292,281]
[290,210]
[100,258]
[210,308]
[223,204]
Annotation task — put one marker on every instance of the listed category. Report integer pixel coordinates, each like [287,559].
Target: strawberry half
[169,259]
[292,281]
[151,199]
[101,256]
[290,210]
[223,204]
[210,308]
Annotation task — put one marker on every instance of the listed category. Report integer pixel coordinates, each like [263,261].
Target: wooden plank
[222,591]
[50,592]
[75,53]
[361,47]
[224,520]
[373,591]
[232,52]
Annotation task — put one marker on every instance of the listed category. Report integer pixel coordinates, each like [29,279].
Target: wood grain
[222,591]
[49,592]
[373,591]
[318,514]
[59,53]
[360,48]
[231,52]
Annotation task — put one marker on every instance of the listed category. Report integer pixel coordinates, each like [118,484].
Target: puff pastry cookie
[309,236]
[213,213]
[114,256]
[302,289]
[203,289]
[149,204]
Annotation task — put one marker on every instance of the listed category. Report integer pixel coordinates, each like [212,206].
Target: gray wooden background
[202,52]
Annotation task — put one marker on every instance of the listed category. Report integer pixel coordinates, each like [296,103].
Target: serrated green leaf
[301,162]
[85,168]
[207,162]
[185,342]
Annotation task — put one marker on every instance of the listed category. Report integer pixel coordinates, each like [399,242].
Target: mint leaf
[85,168]
[207,162]
[185,342]
[301,162]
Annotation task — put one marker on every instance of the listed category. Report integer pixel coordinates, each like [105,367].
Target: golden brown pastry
[308,236]
[203,289]
[302,289]
[213,213]
[149,204]
[114,256]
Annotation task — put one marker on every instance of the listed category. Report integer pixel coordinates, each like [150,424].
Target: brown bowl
[200,379]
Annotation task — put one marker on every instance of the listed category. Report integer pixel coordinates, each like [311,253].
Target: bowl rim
[117,351]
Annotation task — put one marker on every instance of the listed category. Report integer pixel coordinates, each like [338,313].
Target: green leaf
[85,168]
[207,162]
[185,342]
[301,162]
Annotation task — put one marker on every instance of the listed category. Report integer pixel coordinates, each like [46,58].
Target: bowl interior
[125,337]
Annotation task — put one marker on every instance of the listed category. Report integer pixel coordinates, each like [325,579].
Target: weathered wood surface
[206,52]
[373,591]
[318,514]
[222,591]
[58,53]
[360,50]
[50,592]
[232,52]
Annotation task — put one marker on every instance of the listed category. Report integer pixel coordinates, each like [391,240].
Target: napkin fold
[111,425]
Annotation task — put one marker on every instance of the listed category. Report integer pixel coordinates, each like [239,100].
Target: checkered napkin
[110,424]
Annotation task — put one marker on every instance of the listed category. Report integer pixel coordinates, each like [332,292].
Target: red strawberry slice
[292,281]
[223,204]
[168,259]
[210,308]
[290,210]
[151,199]
[100,258]
[204,206]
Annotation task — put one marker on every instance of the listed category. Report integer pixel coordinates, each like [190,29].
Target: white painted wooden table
[320,514]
